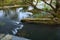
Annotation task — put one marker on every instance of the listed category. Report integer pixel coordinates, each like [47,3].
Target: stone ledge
[32,19]
[11,37]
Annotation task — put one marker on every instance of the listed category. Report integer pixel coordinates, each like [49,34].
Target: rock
[11,37]
[2,35]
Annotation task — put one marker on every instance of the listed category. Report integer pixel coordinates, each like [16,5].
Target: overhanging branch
[54,9]
[50,1]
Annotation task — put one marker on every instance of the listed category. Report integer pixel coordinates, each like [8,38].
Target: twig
[50,5]
[50,1]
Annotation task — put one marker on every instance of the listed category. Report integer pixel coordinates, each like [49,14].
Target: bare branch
[50,6]
[50,1]
[37,2]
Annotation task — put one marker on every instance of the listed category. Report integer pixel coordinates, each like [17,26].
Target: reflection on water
[1,13]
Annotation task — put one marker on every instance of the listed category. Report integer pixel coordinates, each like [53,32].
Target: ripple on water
[10,26]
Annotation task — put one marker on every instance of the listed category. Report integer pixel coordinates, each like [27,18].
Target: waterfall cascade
[22,14]
[2,13]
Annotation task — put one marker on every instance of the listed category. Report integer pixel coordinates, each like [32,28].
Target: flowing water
[11,19]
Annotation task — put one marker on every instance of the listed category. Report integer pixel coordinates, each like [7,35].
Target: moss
[37,20]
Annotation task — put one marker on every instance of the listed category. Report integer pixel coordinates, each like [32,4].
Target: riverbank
[11,37]
[42,20]
[12,6]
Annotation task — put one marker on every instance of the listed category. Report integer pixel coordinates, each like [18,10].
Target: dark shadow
[40,31]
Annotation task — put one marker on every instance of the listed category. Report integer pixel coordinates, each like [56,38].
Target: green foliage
[47,8]
[54,2]
[42,15]
[9,2]
[38,15]
[5,2]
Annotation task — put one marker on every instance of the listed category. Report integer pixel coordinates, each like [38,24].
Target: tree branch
[37,2]
[54,9]
[31,3]
[50,1]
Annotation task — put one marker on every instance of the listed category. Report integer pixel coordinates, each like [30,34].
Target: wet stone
[11,37]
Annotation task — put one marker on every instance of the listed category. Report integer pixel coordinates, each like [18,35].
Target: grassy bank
[40,20]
